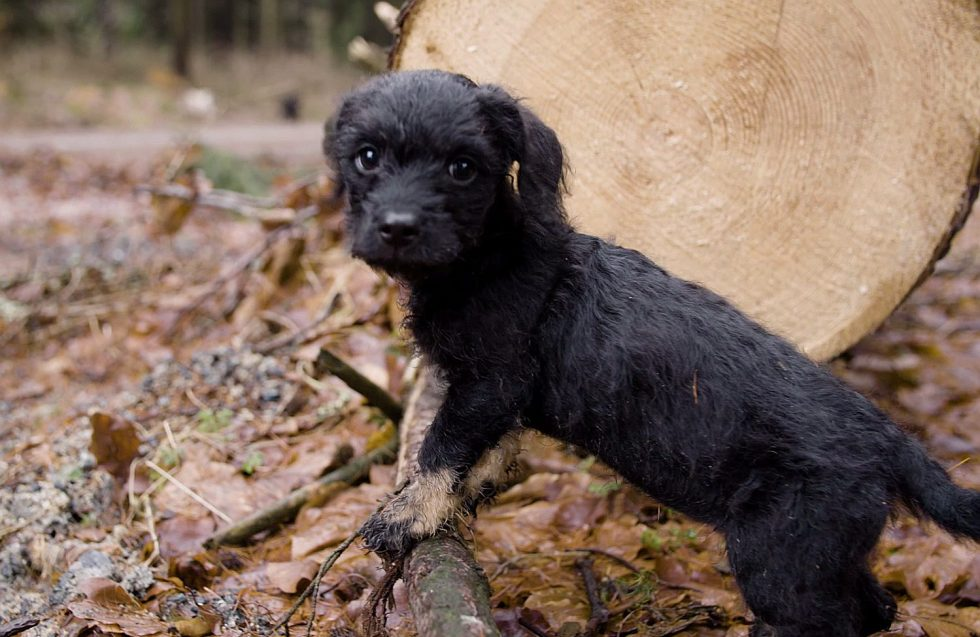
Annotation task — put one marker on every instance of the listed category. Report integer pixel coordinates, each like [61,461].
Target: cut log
[807,160]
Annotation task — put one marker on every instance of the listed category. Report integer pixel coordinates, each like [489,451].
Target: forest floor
[138,416]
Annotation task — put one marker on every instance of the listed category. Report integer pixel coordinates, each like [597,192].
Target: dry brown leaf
[183,535]
[220,483]
[928,566]
[318,528]
[109,607]
[560,605]
[940,620]
[115,443]
[291,577]
[198,626]
[366,350]
[169,213]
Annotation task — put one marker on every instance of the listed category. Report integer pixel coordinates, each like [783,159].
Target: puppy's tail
[927,489]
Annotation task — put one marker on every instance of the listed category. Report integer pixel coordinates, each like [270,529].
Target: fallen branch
[258,208]
[448,591]
[285,510]
[327,361]
[18,626]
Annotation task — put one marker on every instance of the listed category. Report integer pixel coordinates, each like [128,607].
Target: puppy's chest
[471,332]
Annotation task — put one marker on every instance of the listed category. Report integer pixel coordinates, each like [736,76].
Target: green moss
[231,172]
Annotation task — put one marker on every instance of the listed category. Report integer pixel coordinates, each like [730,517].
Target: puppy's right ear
[532,144]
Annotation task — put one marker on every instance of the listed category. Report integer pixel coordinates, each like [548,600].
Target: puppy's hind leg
[795,579]
[877,605]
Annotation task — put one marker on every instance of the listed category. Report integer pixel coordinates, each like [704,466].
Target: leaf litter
[125,442]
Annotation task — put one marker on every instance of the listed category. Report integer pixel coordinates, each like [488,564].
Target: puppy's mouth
[404,261]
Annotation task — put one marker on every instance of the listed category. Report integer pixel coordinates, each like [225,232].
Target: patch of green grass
[652,540]
[210,421]
[89,520]
[586,463]
[635,586]
[252,461]
[231,172]
[674,539]
[605,488]
[74,473]
[170,457]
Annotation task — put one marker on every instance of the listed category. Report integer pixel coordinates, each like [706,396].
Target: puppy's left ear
[333,128]
[331,135]
[532,144]
[329,152]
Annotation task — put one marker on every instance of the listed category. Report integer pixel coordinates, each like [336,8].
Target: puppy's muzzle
[399,229]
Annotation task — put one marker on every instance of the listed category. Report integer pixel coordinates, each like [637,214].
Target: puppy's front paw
[416,512]
[389,538]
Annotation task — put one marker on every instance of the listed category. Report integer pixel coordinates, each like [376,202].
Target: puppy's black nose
[399,228]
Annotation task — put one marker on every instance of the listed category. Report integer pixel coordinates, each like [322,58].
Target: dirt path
[293,141]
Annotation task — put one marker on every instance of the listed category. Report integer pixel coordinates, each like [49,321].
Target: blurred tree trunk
[199,24]
[319,26]
[107,30]
[269,25]
[181,12]
[240,24]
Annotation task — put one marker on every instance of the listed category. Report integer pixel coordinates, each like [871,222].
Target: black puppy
[533,324]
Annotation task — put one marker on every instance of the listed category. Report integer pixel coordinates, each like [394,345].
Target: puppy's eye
[367,159]
[462,169]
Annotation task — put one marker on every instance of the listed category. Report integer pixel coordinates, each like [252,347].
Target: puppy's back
[648,370]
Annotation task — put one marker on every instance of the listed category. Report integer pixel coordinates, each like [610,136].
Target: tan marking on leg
[496,467]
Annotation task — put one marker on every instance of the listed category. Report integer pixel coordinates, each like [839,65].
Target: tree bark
[448,591]
[777,152]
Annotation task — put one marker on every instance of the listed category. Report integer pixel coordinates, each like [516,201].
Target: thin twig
[314,584]
[598,613]
[327,361]
[503,566]
[151,526]
[531,628]
[301,335]
[187,491]
[612,556]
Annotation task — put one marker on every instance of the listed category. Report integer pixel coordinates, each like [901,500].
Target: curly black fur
[537,325]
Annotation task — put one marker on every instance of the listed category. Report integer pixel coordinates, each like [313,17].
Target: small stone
[137,580]
[88,565]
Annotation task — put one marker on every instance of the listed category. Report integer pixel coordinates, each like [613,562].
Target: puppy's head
[425,159]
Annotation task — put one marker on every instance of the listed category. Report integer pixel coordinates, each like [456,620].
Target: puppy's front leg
[469,423]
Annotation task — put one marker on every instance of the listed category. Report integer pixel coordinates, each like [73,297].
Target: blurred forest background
[131,62]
